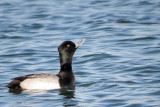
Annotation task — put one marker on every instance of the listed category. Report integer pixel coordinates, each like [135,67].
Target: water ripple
[118,65]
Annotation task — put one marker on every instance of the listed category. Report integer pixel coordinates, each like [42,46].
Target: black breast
[66,77]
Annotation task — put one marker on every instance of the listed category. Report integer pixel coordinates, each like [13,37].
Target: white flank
[40,83]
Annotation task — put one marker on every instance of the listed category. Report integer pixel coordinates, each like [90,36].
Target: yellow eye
[68,45]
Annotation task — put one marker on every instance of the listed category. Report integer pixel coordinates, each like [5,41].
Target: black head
[67,50]
[67,45]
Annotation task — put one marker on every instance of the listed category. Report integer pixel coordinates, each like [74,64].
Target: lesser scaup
[64,79]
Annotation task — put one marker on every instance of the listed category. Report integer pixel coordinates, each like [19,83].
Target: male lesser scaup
[64,79]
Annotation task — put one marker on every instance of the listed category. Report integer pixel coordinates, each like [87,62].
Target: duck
[65,79]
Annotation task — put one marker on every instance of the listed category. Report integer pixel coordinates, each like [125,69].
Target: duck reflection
[67,94]
[15,91]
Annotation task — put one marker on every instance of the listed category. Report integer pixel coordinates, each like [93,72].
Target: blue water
[117,66]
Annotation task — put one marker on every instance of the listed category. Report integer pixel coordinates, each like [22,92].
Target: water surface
[118,65]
